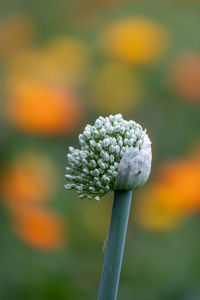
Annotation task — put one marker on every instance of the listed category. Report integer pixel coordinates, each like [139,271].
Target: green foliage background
[157,266]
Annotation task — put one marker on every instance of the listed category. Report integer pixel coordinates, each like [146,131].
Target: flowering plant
[107,148]
[115,155]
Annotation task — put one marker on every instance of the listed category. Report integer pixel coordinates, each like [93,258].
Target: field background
[62,64]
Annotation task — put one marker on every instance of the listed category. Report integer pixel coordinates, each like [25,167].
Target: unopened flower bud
[115,154]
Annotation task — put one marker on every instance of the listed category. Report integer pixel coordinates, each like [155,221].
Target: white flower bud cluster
[94,167]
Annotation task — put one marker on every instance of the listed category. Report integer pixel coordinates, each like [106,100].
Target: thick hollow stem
[115,245]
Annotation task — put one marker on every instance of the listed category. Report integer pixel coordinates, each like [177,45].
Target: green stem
[115,246]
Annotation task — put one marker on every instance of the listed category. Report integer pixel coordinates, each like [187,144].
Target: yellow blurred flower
[61,60]
[116,89]
[174,195]
[16,32]
[135,40]
[42,108]
[25,65]
[68,56]
[185,76]
[153,215]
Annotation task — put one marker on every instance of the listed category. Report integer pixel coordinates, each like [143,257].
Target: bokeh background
[62,64]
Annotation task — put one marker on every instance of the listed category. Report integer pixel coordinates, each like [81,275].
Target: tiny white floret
[114,154]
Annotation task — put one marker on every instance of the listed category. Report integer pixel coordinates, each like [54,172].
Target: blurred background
[62,64]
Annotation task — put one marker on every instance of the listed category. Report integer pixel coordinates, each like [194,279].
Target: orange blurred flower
[29,178]
[25,185]
[182,179]
[185,76]
[40,86]
[40,229]
[16,31]
[136,40]
[116,89]
[174,195]
[42,108]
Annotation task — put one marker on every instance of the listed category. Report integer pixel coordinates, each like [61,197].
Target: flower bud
[115,154]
